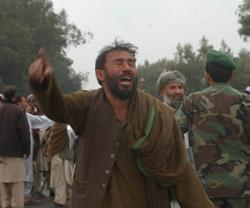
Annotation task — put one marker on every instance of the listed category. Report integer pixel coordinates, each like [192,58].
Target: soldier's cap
[220,59]
[167,77]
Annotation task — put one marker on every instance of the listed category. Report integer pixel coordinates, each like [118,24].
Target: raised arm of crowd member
[129,141]
[42,81]
[40,70]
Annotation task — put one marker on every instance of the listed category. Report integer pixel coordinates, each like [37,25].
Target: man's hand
[40,70]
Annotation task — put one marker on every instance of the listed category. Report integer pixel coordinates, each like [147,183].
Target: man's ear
[232,76]
[208,78]
[100,75]
[162,92]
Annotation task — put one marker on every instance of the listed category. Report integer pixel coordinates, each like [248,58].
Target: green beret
[221,59]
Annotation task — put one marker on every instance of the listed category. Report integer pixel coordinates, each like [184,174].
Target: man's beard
[174,103]
[122,94]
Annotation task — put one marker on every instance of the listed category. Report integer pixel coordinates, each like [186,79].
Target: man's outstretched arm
[40,71]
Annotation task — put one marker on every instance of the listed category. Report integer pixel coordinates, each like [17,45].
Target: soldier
[218,128]
[60,147]
[171,87]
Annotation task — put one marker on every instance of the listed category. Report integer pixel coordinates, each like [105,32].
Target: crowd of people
[119,147]
[28,154]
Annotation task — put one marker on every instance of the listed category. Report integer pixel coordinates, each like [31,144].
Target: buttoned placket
[112,156]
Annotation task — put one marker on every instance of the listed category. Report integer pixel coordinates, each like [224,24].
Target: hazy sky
[155,26]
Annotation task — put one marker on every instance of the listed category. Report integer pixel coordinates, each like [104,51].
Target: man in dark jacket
[129,146]
[14,146]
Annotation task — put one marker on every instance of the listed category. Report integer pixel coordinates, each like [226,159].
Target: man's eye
[132,64]
[118,63]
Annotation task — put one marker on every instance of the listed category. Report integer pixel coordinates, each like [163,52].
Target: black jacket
[14,131]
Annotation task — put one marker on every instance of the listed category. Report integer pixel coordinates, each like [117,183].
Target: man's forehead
[119,54]
[174,84]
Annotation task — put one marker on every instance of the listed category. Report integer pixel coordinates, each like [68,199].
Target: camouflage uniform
[217,134]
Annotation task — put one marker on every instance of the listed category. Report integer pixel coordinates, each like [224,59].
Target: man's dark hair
[10,92]
[18,99]
[115,46]
[218,73]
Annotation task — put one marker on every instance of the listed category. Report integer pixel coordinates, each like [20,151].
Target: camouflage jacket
[217,134]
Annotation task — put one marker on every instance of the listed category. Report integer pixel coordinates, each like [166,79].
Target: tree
[225,48]
[26,26]
[203,49]
[244,19]
[186,62]
[15,51]
[192,64]
[242,74]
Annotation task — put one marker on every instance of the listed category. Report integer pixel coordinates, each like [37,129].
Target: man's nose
[178,90]
[127,66]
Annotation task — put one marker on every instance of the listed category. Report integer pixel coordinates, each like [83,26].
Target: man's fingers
[40,69]
[36,71]
[42,53]
[48,71]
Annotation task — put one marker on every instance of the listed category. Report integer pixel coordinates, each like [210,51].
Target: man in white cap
[171,87]
[247,90]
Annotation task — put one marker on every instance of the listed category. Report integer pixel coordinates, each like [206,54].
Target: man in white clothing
[35,122]
[61,143]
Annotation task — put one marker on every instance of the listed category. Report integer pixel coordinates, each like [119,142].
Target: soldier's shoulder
[194,96]
[233,92]
[197,101]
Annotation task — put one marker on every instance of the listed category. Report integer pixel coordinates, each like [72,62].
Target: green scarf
[156,139]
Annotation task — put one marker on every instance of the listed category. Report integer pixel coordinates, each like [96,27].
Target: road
[45,203]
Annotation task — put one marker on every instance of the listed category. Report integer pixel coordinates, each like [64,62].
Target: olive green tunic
[127,184]
[124,165]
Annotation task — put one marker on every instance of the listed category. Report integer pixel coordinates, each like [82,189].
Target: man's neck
[120,106]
